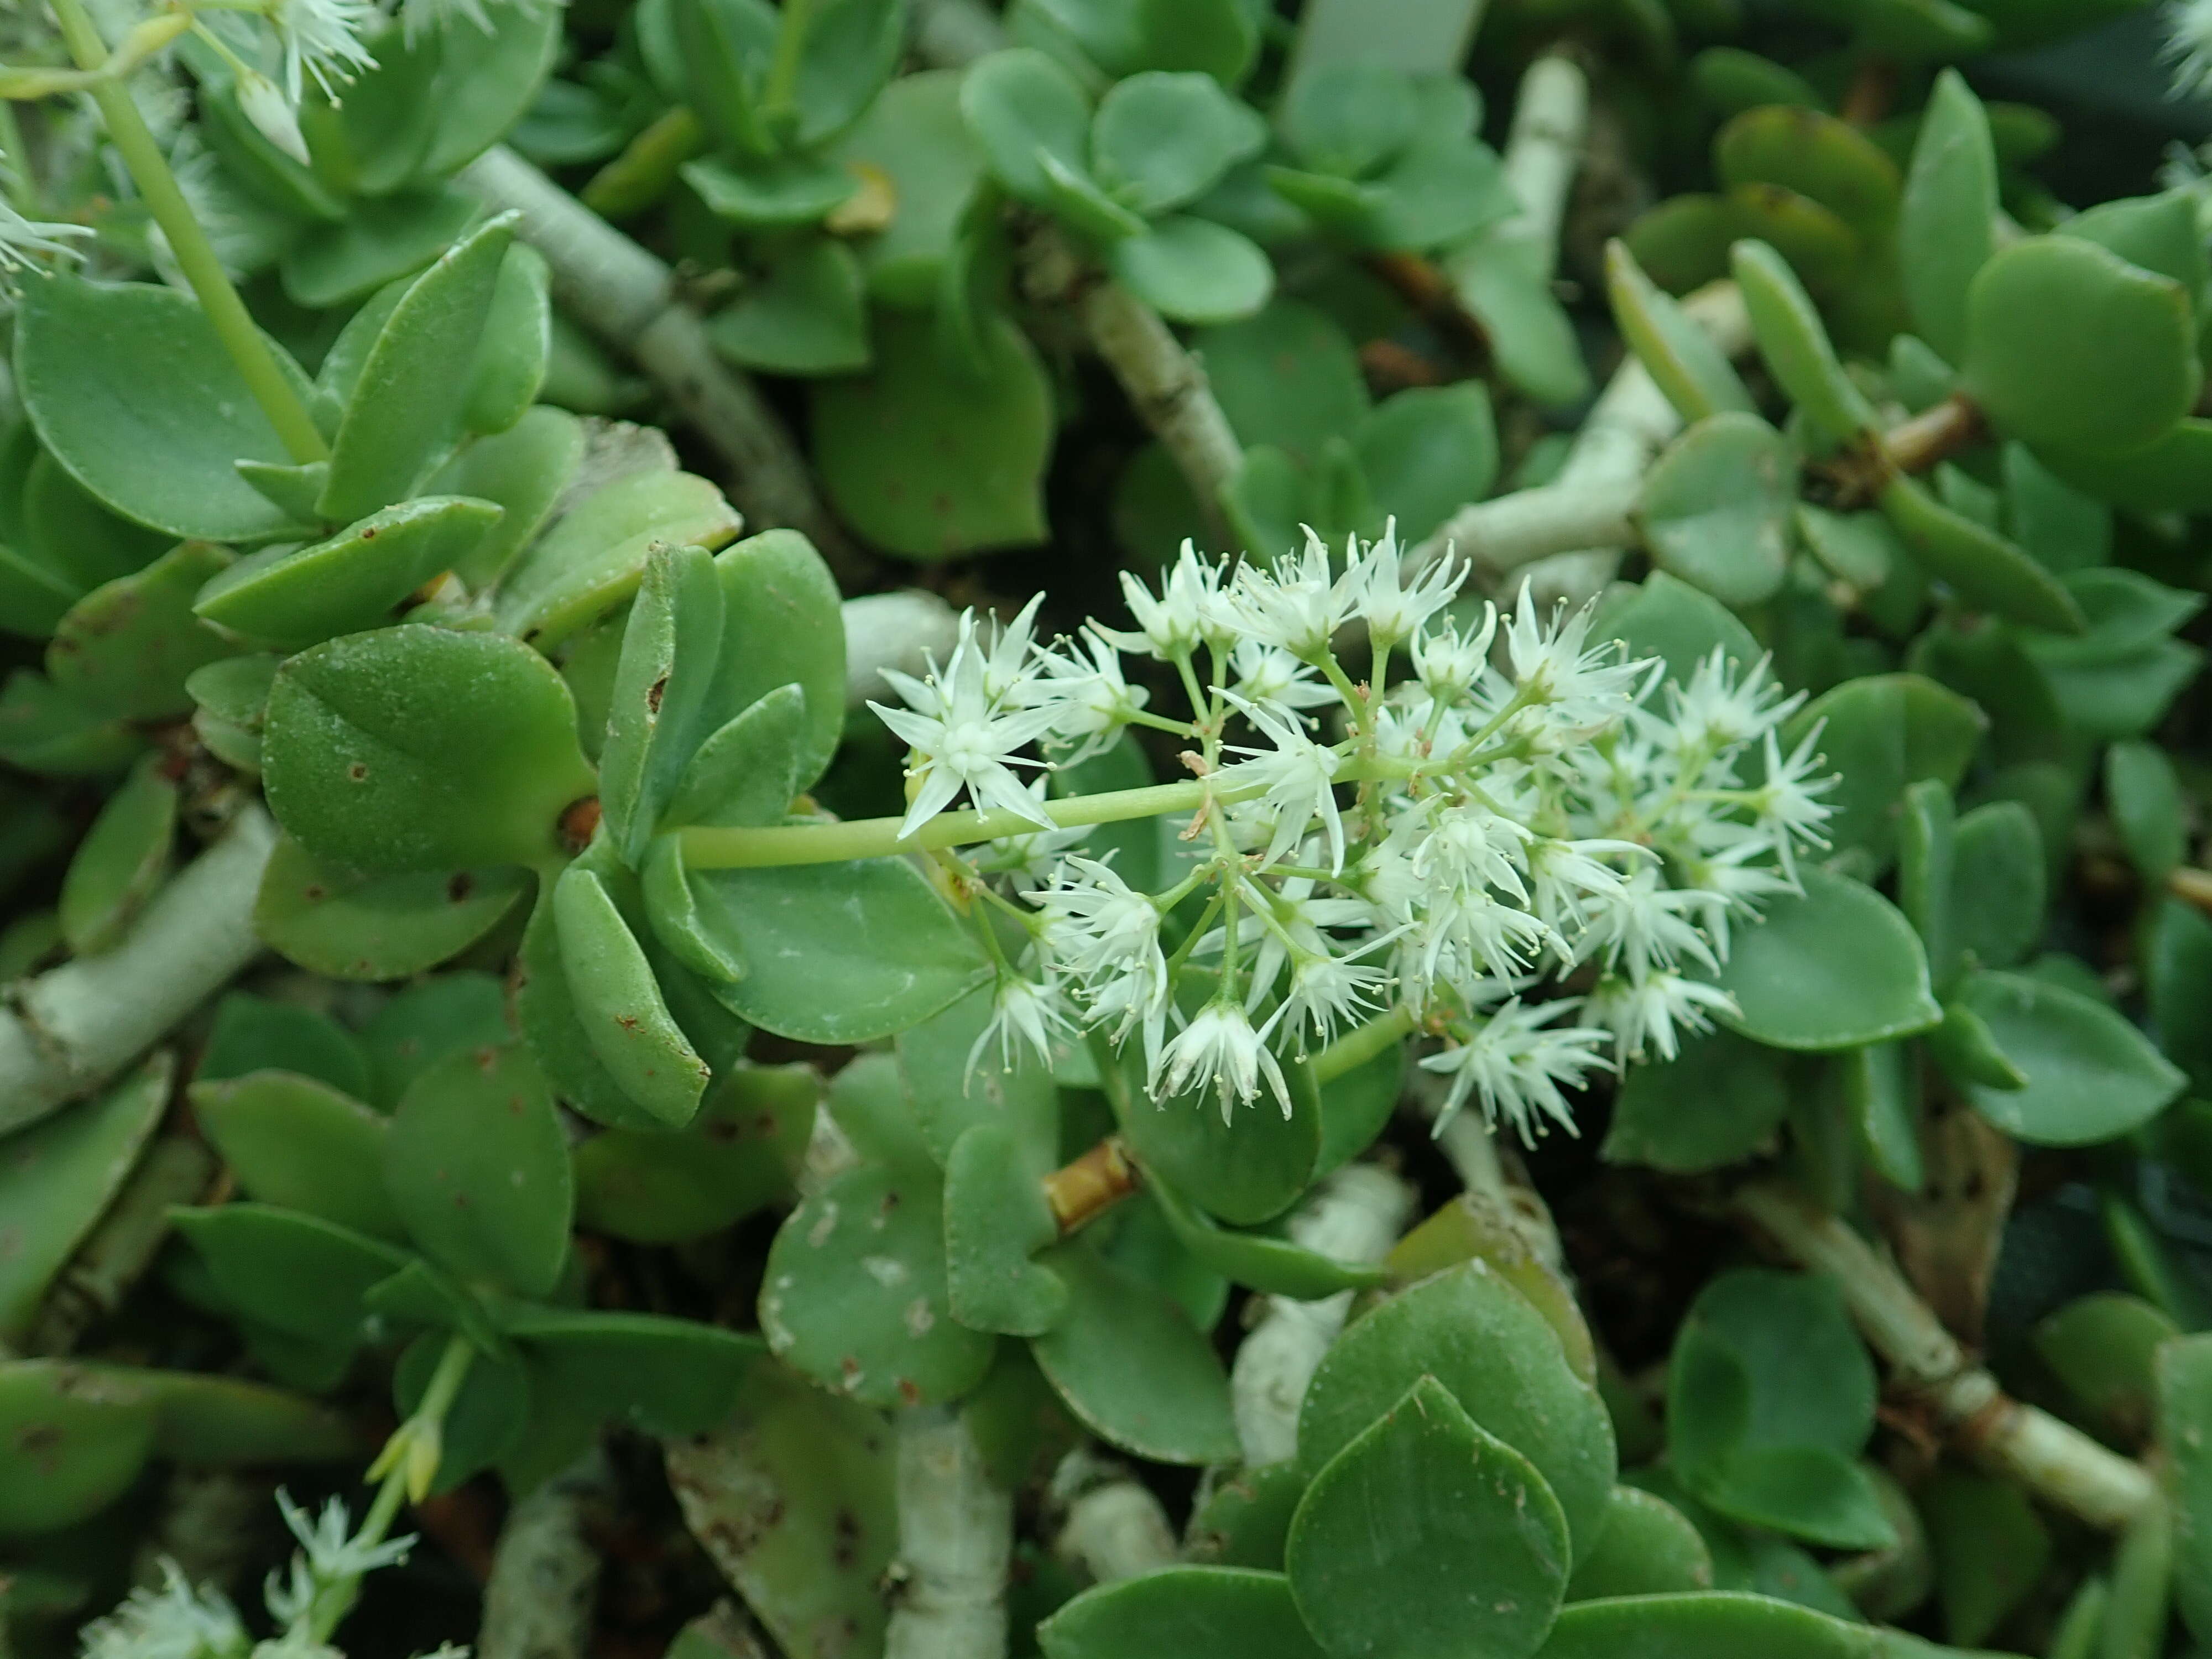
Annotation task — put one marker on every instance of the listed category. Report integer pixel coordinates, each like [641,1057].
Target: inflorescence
[1520,844]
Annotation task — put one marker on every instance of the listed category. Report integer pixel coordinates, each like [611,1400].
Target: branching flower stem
[196,256]
[406,1467]
[710,848]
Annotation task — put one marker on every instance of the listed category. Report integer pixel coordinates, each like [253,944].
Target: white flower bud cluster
[178,1621]
[1522,811]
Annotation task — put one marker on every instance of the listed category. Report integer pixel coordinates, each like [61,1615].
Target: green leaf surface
[72,1440]
[516,346]
[1182,1612]
[592,558]
[376,927]
[660,1376]
[948,1094]
[301,1144]
[1664,617]
[477,1165]
[123,857]
[914,135]
[291,597]
[838,953]
[804,311]
[2091,1075]
[1946,228]
[56,1179]
[782,625]
[1795,344]
[304,1277]
[1647,1548]
[1985,568]
[778,191]
[1497,1355]
[1130,1366]
[523,470]
[380,240]
[854,1295]
[1831,967]
[618,1002]
[1716,507]
[1427,451]
[1713,1105]
[2117,379]
[996,1217]
[1770,1394]
[418,749]
[1262,1260]
[1243,1167]
[1695,373]
[2104,1348]
[1708,1625]
[741,1152]
[2184,1428]
[2146,805]
[928,457]
[424,1023]
[128,648]
[810,1479]
[1818,155]
[1164,139]
[1193,270]
[1021,107]
[409,404]
[1880,733]
[1473,1562]
[133,393]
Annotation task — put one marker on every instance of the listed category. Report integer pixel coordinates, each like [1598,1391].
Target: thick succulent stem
[1630,424]
[1165,384]
[1356,1216]
[629,295]
[948,33]
[73,1028]
[1927,1365]
[1544,148]
[900,630]
[955,1528]
[176,1170]
[1508,532]
[545,1572]
[1115,1527]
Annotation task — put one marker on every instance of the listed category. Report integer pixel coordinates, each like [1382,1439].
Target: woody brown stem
[1421,283]
[1873,91]
[1929,1366]
[2192,887]
[1090,1185]
[1935,433]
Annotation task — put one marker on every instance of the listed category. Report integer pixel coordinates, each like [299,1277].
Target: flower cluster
[323,43]
[180,1621]
[2188,45]
[1519,810]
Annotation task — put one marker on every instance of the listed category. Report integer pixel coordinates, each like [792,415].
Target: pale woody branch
[2054,1461]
